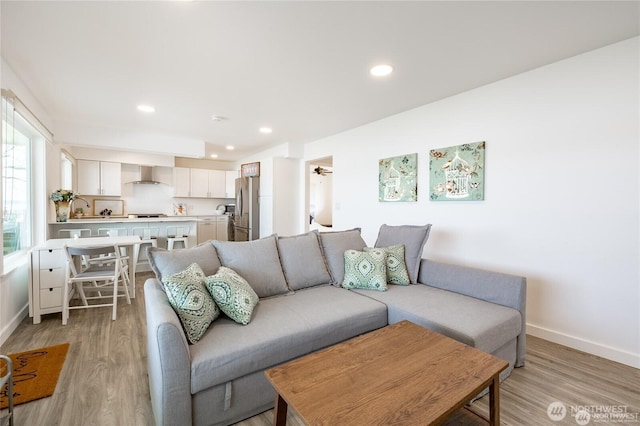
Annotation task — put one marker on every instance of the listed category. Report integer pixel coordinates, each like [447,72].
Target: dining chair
[95,281]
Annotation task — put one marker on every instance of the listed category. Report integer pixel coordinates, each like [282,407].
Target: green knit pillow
[397,272]
[190,299]
[365,270]
[232,294]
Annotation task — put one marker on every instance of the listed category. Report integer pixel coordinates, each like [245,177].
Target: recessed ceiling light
[146,108]
[214,155]
[230,147]
[381,70]
[266,130]
[218,118]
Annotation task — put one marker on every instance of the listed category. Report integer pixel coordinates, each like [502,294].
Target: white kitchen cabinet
[99,178]
[230,182]
[213,228]
[222,228]
[208,183]
[181,182]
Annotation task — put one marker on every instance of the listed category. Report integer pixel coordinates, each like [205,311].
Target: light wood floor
[104,379]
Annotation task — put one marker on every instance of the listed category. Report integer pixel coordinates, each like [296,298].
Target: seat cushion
[302,261]
[282,328]
[164,262]
[477,323]
[257,262]
[412,237]
[334,244]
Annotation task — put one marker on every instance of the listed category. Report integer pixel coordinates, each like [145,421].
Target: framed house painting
[456,173]
[398,178]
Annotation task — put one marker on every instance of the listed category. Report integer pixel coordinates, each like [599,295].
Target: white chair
[177,234]
[74,233]
[148,236]
[96,280]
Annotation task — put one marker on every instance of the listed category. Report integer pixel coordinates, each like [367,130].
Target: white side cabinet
[99,178]
[48,269]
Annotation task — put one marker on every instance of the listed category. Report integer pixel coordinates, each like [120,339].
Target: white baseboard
[13,324]
[614,354]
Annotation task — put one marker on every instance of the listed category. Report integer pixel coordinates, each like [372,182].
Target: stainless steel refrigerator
[246,219]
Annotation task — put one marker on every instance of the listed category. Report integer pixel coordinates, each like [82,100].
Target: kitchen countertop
[125,219]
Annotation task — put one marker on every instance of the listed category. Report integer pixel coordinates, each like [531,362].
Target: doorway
[319,194]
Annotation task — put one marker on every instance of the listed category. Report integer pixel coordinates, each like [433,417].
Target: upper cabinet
[200,183]
[99,178]
[181,182]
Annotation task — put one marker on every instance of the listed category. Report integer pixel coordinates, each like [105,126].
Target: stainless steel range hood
[146,176]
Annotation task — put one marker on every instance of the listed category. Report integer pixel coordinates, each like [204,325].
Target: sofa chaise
[302,306]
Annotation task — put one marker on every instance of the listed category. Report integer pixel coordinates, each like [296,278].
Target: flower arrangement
[62,195]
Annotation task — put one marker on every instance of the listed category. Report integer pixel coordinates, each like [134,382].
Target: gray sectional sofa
[302,308]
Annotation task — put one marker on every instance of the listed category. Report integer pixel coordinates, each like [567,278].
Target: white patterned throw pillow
[190,299]
[397,272]
[232,294]
[366,270]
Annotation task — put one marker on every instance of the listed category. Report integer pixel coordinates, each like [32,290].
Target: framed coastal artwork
[456,173]
[398,178]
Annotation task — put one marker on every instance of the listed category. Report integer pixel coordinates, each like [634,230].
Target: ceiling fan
[321,171]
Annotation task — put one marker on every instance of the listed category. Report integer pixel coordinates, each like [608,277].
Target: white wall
[562,191]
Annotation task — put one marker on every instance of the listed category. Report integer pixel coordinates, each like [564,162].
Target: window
[19,139]
[66,172]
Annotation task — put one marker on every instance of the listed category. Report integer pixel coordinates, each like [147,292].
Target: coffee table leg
[494,401]
[280,412]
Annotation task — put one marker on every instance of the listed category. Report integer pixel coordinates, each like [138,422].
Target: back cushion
[302,261]
[257,262]
[413,237]
[165,262]
[334,244]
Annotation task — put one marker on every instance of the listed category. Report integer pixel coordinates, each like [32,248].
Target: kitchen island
[159,227]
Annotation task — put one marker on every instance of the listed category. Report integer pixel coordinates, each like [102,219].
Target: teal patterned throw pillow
[397,272]
[190,299]
[232,294]
[365,270]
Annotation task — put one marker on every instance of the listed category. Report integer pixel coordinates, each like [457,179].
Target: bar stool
[112,232]
[147,236]
[177,234]
[74,233]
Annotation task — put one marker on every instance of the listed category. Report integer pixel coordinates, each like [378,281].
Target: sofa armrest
[168,359]
[502,289]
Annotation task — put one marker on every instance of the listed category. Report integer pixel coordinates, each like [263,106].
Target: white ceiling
[298,67]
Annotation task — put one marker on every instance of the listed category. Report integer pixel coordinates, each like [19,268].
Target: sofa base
[249,395]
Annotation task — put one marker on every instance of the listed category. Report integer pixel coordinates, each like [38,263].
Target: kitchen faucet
[77,198]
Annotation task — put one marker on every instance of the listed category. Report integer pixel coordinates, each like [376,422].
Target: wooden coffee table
[400,374]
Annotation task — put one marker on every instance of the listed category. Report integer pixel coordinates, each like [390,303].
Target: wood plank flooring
[104,379]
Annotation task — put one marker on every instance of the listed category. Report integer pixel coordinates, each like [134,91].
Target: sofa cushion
[396,266]
[477,323]
[413,237]
[233,294]
[282,328]
[365,269]
[190,299]
[257,262]
[334,244]
[302,261]
[164,261]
